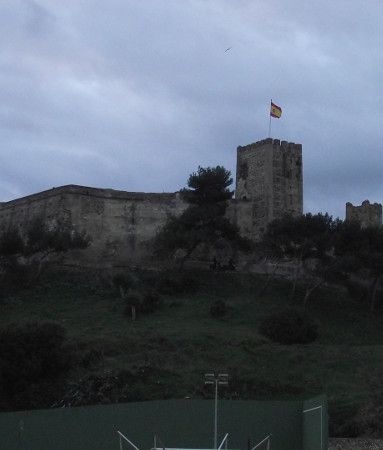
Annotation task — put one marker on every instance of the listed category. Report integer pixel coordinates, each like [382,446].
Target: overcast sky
[135,94]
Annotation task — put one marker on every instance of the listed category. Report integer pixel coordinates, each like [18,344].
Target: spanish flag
[275,111]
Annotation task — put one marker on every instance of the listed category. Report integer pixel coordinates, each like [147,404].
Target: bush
[165,282]
[124,281]
[175,283]
[357,290]
[91,358]
[292,326]
[150,302]
[16,275]
[142,383]
[218,309]
[351,428]
[31,355]
[133,301]
[143,303]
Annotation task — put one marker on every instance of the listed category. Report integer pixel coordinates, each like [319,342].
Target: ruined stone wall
[269,175]
[367,214]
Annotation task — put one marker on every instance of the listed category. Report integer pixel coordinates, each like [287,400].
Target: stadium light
[221,379]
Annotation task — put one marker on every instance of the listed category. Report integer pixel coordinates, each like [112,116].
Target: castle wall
[367,214]
[242,213]
[119,223]
[48,204]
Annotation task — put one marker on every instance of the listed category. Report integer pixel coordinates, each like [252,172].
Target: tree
[299,239]
[360,250]
[33,358]
[11,247]
[22,251]
[337,250]
[204,221]
[209,187]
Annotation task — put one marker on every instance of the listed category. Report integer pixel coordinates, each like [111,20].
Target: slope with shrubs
[185,324]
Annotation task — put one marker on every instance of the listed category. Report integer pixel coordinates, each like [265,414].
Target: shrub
[218,309]
[133,301]
[165,282]
[175,283]
[350,428]
[31,355]
[16,275]
[124,281]
[357,290]
[189,283]
[291,326]
[150,302]
[137,303]
[142,383]
[91,358]
[167,285]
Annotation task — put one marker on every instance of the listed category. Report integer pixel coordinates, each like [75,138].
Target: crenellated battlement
[367,214]
[276,143]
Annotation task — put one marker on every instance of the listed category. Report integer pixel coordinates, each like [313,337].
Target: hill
[164,354]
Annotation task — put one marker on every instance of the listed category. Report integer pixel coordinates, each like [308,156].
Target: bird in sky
[229,48]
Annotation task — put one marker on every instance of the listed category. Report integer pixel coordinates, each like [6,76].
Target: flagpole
[271,101]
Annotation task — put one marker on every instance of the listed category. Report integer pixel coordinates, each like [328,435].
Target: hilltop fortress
[269,183]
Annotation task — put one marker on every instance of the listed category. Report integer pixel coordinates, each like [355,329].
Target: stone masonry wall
[269,175]
[367,214]
[121,224]
[287,179]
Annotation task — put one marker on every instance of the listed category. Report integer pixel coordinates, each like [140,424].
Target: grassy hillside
[181,341]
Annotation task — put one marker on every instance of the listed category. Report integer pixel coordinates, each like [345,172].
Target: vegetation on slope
[164,354]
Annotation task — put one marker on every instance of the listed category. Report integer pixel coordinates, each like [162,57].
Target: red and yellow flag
[275,111]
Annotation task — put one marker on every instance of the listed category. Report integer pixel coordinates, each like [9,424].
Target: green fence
[315,424]
[179,423]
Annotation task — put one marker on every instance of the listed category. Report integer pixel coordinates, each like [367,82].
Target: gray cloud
[135,95]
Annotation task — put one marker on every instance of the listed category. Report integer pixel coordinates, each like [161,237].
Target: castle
[269,183]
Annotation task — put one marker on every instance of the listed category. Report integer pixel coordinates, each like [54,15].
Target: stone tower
[269,175]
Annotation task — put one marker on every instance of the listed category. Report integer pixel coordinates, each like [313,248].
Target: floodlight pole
[212,378]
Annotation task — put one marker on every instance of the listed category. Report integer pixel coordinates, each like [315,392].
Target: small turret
[368,214]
